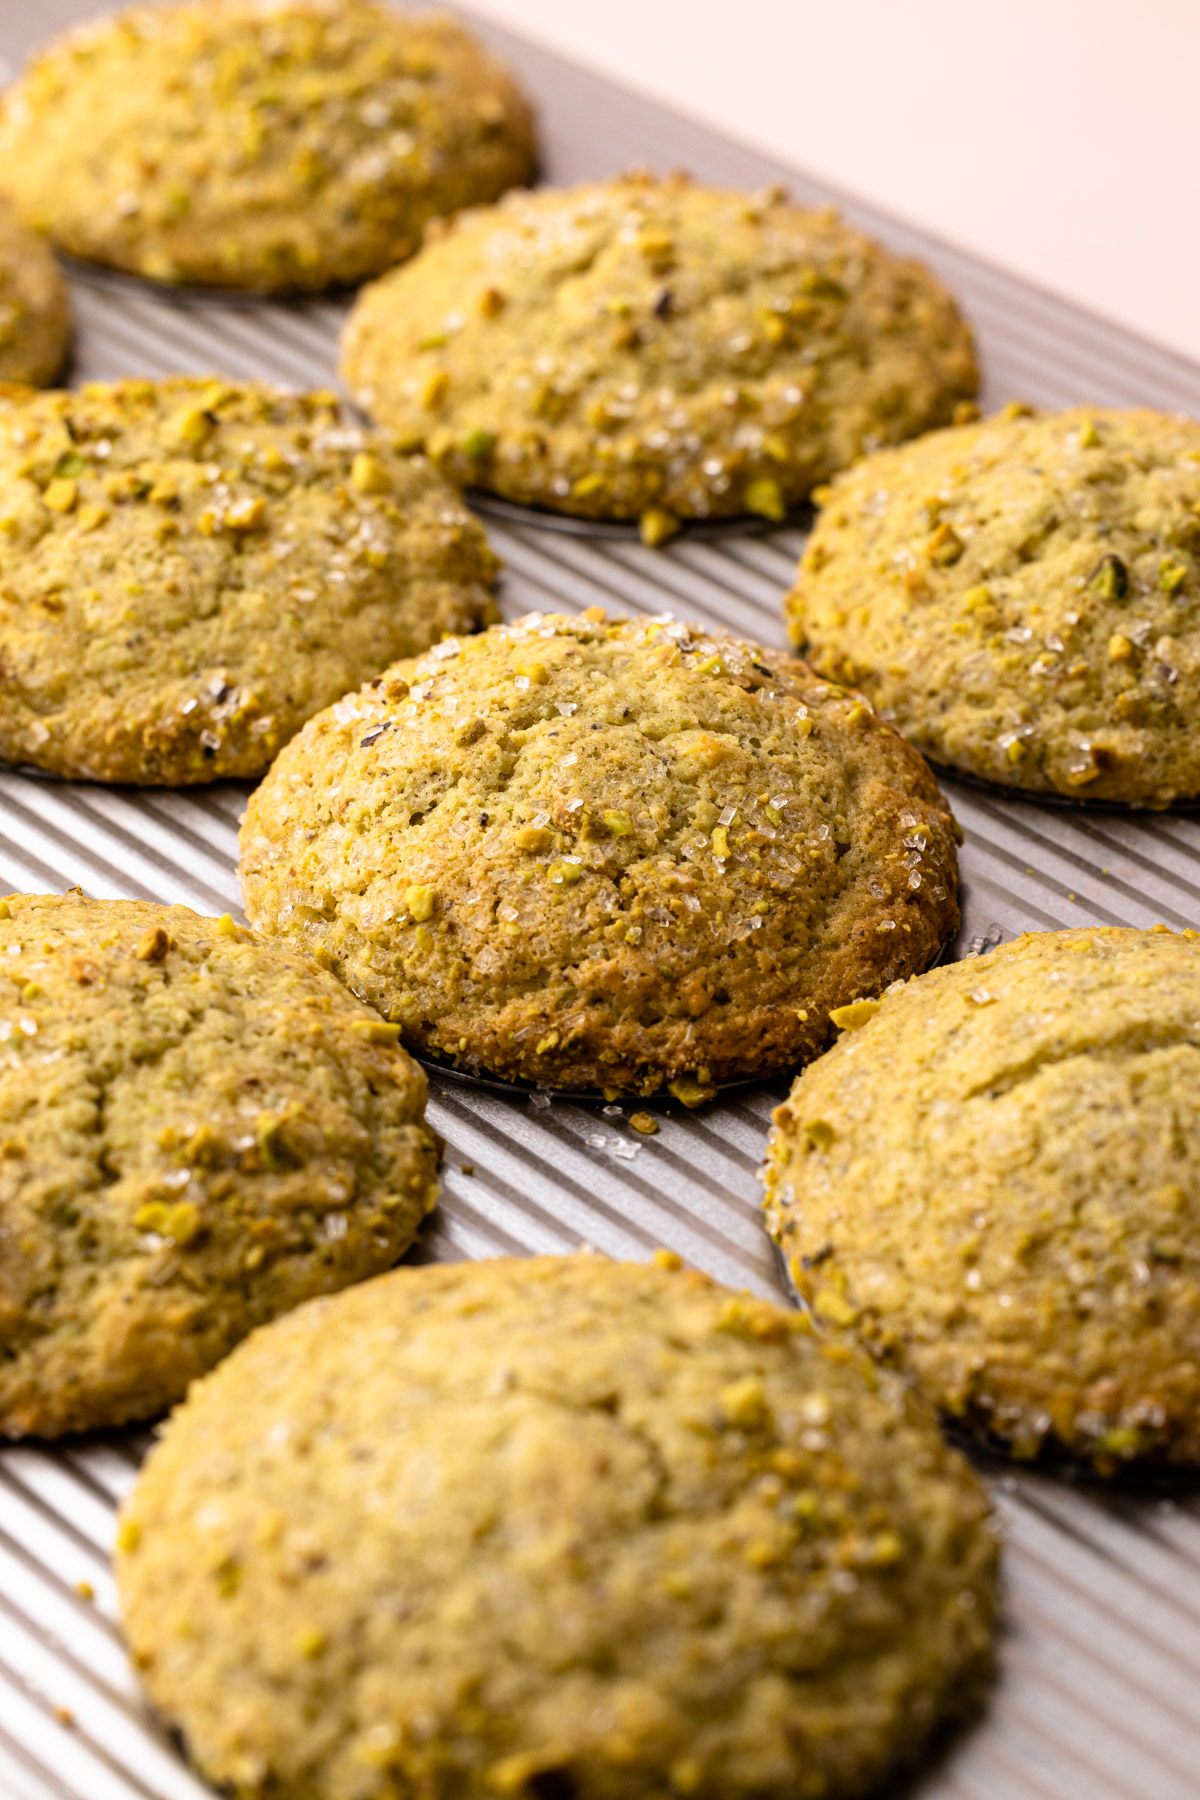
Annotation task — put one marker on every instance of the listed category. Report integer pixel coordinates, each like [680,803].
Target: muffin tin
[1100,1658]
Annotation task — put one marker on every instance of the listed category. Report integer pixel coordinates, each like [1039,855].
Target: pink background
[1060,138]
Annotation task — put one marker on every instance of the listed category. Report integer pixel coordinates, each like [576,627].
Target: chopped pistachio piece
[944,546]
[419,901]
[478,442]
[854,1016]
[691,1092]
[368,474]
[1171,575]
[657,526]
[377,1031]
[435,390]
[764,496]
[60,496]
[248,514]
[834,1307]
[1110,578]
[191,425]
[744,1403]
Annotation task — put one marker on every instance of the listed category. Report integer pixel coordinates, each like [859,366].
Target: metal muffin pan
[1098,1696]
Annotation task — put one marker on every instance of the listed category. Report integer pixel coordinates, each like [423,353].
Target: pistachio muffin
[995,1183]
[614,855]
[655,349]
[35,316]
[270,144]
[554,1527]
[1022,598]
[189,569]
[197,1130]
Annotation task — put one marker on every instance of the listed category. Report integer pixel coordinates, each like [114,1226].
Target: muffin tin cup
[996,790]
[542,518]
[1097,1693]
[123,284]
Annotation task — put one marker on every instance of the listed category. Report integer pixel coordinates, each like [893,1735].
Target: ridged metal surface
[1099,1692]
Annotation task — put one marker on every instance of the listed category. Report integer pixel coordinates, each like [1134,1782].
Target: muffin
[35,316]
[189,569]
[270,144]
[615,855]
[556,1527]
[197,1130]
[655,349]
[995,1183]
[1022,599]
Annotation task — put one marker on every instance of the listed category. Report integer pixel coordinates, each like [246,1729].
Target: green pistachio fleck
[657,526]
[1110,578]
[691,1091]
[1171,575]
[227,1576]
[765,497]
[945,546]
[420,900]
[744,1404]
[272,1149]
[478,442]
[1120,1440]
[855,1015]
